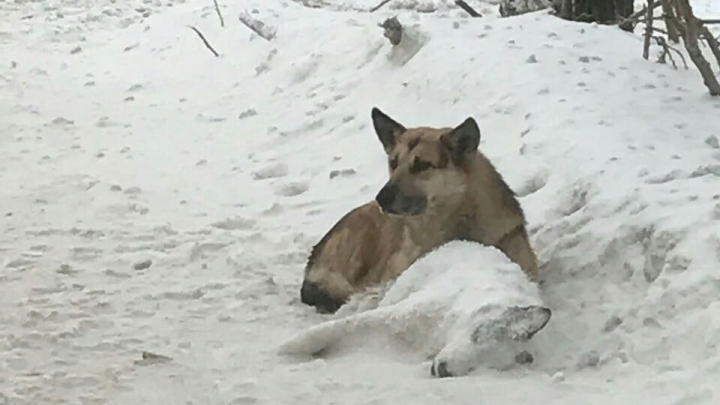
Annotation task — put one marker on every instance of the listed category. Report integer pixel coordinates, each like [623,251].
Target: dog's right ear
[386,128]
[463,140]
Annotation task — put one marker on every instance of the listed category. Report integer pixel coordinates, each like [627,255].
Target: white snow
[464,305]
[123,140]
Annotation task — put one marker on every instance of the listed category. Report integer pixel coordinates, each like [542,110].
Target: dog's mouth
[405,207]
[393,201]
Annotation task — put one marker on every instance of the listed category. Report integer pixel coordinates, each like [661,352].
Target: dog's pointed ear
[386,128]
[462,140]
[514,323]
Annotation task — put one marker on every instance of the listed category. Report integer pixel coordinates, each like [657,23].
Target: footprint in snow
[713,142]
[534,184]
[237,223]
[576,201]
[61,122]
[665,178]
[271,172]
[293,189]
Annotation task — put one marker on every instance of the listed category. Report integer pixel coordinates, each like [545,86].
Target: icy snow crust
[123,140]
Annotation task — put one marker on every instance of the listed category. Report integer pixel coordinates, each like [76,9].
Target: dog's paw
[440,369]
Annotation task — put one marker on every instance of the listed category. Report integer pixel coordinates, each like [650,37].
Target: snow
[123,140]
[459,305]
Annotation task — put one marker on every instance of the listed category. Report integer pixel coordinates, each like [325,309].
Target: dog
[441,188]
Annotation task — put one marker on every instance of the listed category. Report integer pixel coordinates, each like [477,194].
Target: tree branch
[207,44]
[690,34]
[628,23]
[666,52]
[382,3]
[463,5]
[217,9]
[712,42]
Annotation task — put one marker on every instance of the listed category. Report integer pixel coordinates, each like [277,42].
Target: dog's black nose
[311,294]
[387,195]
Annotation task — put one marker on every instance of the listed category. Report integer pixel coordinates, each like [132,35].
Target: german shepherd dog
[441,188]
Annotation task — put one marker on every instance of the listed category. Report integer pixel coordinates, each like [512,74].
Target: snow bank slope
[140,145]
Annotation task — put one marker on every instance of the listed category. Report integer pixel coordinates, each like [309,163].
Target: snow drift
[461,304]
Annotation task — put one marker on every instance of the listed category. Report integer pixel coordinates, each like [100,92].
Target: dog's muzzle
[311,294]
[392,201]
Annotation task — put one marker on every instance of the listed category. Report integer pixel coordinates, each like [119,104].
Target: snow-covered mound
[158,198]
[461,304]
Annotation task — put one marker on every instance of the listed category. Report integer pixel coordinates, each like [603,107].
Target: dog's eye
[420,165]
[394,163]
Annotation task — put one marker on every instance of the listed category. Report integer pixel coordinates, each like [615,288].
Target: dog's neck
[490,209]
[432,229]
[488,212]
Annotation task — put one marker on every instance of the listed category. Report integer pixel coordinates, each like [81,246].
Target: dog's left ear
[386,128]
[463,140]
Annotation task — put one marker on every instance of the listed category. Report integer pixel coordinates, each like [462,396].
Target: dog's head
[428,166]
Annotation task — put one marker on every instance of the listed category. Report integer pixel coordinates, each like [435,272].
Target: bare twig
[666,52]
[660,30]
[628,23]
[642,12]
[217,9]
[648,29]
[382,3]
[207,44]
[463,5]
[655,18]
[708,22]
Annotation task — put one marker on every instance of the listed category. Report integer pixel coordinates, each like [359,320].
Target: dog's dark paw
[324,303]
[440,369]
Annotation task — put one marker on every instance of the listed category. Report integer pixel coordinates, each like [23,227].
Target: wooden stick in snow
[467,8]
[382,3]
[256,26]
[207,44]
[217,9]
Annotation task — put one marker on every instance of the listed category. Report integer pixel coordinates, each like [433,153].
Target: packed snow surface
[156,198]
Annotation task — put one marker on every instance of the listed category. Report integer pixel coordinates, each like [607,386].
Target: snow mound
[460,303]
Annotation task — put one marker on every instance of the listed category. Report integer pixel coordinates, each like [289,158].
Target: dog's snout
[311,294]
[387,195]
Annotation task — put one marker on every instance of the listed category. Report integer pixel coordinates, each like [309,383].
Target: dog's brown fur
[441,188]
